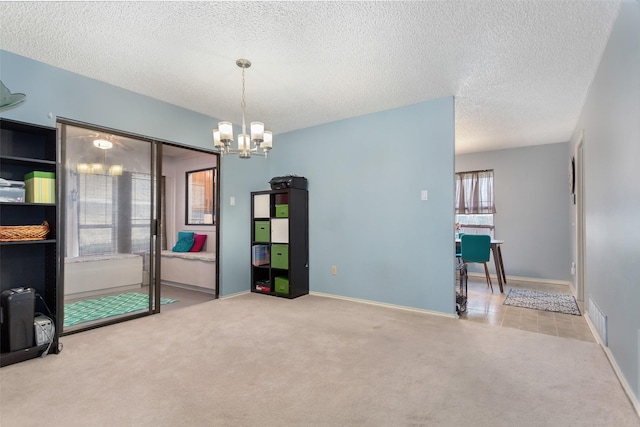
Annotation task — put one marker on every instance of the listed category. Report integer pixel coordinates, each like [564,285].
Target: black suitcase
[17,312]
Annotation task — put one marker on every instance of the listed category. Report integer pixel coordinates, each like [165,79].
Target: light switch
[232,201]
[424,195]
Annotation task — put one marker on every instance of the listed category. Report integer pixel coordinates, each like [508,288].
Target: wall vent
[598,319]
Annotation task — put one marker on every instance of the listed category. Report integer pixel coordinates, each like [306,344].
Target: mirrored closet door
[109,213]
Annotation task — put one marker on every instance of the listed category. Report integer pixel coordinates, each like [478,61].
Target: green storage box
[282,285]
[262,232]
[280,256]
[282,211]
[40,187]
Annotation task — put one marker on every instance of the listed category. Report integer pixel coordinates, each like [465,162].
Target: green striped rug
[102,308]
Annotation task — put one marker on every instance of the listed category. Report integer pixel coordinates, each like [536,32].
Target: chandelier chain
[243,104]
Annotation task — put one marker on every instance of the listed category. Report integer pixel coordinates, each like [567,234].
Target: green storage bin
[40,187]
[282,211]
[262,231]
[280,256]
[282,285]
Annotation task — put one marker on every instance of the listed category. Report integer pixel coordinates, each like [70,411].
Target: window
[200,195]
[109,182]
[475,204]
[96,214]
[140,212]
[108,225]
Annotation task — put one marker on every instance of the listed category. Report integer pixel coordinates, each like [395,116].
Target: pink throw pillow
[198,242]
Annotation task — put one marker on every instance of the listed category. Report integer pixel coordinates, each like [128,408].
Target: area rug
[102,308]
[542,301]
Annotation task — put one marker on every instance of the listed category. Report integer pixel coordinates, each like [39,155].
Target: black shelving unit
[34,264]
[280,225]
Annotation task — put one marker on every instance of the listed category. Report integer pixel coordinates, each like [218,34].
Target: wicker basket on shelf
[16,233]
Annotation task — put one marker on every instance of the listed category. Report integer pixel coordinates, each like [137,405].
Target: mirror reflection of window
[200,208]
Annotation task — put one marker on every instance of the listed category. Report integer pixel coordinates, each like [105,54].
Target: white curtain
[71,215]
[474,193]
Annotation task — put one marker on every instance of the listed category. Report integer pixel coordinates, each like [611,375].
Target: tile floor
[486,307]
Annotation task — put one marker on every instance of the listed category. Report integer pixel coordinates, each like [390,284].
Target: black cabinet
[280,242]
[25,148]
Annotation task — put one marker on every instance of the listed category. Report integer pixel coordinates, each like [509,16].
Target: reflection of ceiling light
[98,168]
[115,170]
[223,136]
[83,168]
[102,143]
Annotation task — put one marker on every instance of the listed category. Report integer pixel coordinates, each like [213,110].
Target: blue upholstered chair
[477,249]
[458,250]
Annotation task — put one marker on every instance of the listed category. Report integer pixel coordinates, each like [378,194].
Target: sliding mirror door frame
[134,212]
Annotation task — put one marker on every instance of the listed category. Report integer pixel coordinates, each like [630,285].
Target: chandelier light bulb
[257,132]
[267,144]
[226,132]
[216,139]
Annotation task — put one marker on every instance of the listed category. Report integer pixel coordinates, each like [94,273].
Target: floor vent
[598,319]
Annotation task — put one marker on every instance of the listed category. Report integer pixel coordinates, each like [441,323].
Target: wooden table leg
[504,276]
[495,248]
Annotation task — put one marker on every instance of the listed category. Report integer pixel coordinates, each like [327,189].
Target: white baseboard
[612,361]
[189,287]
[237,294]
[380,304]
[102,292]
[573,290]
[524,279]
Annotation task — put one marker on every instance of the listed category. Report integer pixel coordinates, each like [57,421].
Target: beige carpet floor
[256,360]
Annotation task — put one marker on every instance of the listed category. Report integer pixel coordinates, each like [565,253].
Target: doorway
[189,205]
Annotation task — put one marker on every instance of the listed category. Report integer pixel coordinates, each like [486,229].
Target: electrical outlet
[334,270]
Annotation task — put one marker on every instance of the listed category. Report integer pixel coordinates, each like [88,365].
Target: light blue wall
[365,214]
[239,178]
[68,95]
[532,208]
[611,123]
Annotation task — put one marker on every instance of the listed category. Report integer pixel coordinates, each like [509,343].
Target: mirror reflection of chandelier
[99,168]
[223,135]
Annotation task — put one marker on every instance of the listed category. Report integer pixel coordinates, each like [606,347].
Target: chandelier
[223,136]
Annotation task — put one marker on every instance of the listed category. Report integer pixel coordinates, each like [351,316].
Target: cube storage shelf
[280,221]
[25,148]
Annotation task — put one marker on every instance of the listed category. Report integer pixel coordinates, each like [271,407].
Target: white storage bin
[279,230]
[261,206]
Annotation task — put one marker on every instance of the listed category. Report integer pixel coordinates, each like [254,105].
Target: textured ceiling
[519,70]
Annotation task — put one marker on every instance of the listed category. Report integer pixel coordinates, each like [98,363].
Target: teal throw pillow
[185,241]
